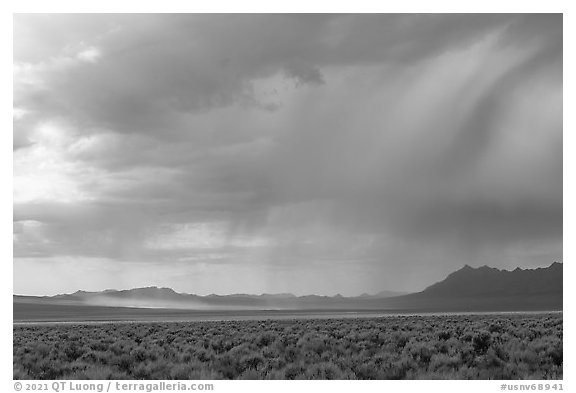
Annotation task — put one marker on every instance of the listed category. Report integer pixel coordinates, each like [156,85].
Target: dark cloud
[156,72]
[368,146]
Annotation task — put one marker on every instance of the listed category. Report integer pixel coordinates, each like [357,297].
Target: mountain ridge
[486,280]
[467,289]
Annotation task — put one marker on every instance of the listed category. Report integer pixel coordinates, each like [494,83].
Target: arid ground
[499,346]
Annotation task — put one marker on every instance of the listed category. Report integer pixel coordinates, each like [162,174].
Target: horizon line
[399,292]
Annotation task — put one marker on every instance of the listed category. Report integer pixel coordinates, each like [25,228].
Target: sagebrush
[404,347]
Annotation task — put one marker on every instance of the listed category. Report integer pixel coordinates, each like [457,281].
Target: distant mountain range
[490,289]
[468,289]
[488,281]
[154,297]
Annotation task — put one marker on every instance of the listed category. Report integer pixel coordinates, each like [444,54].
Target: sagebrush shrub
[430,347]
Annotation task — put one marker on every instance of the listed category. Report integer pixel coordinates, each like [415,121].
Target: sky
[283,153]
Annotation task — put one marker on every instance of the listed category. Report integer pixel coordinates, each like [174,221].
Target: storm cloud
[283,153]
